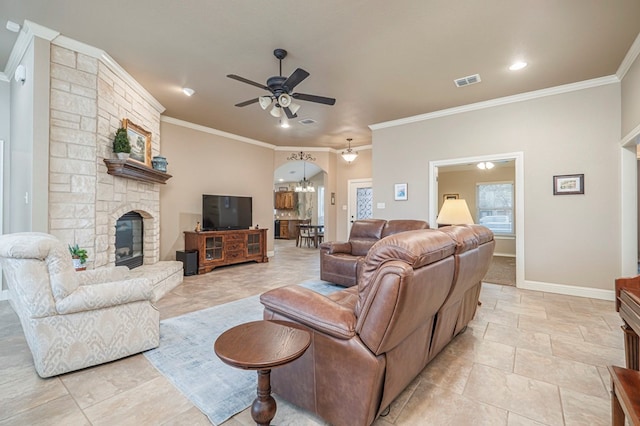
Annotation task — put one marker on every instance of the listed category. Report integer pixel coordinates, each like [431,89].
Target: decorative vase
[159,163]
[122,155]
[77,264]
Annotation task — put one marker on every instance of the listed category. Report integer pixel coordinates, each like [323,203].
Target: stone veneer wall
[88,102]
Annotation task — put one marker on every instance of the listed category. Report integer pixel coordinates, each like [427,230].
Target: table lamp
[454,212]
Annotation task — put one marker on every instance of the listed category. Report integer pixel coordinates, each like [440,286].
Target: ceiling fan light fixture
[284,100]
[349,155]
[284,123]
[276,111]
[294,108]
[488,165]
[265,101]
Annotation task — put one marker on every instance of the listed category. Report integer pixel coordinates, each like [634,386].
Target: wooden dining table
[315,232]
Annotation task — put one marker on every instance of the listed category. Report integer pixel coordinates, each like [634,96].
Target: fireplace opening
[129,240]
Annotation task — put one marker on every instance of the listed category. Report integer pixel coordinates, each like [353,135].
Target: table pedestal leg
[631,346]
[263,409]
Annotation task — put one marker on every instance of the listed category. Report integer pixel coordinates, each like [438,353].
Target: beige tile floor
[528,358]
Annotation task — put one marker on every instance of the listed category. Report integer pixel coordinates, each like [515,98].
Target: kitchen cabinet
[286,200]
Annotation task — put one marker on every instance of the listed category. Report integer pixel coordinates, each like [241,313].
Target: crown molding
[632,138]
[629,58]
[102,56]
[3,77]
[28,31]
[216,132]
[302,148]
[581,85]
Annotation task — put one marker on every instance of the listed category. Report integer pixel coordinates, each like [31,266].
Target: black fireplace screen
[129,240]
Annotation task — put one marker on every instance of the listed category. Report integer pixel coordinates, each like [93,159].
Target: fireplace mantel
[134,170]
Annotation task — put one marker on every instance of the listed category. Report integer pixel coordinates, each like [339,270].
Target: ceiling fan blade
[290,114]
[249,102]
[314,98]
[244,80]
[294,79]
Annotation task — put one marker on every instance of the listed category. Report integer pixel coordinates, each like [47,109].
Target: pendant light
[349,155]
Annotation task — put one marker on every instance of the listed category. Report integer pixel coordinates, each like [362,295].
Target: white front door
[360,201]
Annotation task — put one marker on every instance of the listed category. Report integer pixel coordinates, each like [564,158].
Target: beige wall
[205,163]
[569,240]
[464,183]
[631,98]
[360,168]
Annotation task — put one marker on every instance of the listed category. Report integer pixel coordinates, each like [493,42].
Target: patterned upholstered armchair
[73,320]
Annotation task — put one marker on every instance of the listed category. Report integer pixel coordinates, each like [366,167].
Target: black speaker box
[189,259]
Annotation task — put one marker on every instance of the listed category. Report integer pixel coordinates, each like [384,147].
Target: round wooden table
[261,346]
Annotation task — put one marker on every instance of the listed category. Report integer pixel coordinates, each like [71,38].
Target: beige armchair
[72,320]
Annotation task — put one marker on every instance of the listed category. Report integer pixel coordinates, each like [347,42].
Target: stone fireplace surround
[89,96]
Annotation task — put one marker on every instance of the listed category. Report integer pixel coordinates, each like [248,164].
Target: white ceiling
[381,60]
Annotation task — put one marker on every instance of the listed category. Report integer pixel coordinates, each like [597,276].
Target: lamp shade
[454,212]
[264,101]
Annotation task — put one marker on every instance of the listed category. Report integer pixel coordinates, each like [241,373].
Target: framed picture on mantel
[140,140]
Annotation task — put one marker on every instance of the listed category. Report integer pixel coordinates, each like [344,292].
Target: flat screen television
[220,212]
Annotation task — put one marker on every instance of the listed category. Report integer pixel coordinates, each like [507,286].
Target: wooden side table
[261,346]
[625,396]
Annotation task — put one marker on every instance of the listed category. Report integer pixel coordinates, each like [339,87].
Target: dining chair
[303,232]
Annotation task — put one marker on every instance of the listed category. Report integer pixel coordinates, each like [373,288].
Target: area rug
[186,358]
[502,271]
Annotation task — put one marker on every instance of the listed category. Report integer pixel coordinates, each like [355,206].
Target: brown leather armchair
[369,341]
[339,260]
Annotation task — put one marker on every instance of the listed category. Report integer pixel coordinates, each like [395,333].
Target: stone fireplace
[89,97]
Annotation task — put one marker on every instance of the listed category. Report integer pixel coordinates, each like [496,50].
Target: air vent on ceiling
[465,81]
[307,121]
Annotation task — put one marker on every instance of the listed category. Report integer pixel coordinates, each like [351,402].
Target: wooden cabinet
[286,200]
[289,229]
[218,248]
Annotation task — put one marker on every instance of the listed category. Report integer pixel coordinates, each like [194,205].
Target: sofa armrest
[337,247]
[105,295]
[311,309]
[103,275]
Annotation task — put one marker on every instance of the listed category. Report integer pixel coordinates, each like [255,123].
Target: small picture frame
[446,197]
[283,188]
[568,184]
[140,140]
[400,192]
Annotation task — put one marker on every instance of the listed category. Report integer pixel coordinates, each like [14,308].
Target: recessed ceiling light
[188,91]
[517,66]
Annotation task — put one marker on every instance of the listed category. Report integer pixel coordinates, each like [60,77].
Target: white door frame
[519,189]
[351,185]
[4,294]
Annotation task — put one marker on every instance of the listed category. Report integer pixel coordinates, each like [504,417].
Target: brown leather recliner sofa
[339,259]
[416,291]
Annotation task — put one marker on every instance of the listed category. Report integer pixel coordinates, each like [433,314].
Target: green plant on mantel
[121,141]
[78,253]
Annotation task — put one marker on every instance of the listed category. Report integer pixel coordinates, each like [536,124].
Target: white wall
[569,240]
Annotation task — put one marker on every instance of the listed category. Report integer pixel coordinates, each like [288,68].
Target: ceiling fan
[280,89]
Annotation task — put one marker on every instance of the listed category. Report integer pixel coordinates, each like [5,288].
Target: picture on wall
[140,140]
[568,184]
[400,192]
[446,197]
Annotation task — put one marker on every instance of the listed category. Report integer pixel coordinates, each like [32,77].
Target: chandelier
[304,185]
[349,155]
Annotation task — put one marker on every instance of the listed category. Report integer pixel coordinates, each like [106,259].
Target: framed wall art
[568,184]
[446,197]
[400,192]
[140,140]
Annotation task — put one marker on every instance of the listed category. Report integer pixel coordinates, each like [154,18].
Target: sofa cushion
[365,233]
[403,225]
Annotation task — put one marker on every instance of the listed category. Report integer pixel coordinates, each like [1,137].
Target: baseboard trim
[569,290]
[504,254]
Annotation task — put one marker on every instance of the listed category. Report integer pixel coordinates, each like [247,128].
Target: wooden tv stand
[219,248]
